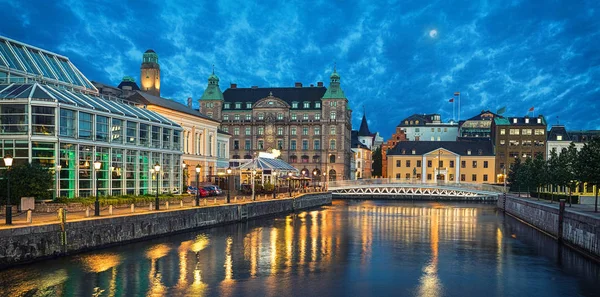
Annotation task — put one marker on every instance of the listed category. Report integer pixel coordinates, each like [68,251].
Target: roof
[520,121]
[287,94]
[421,118]
[484,115]
[364,127]
[355,142]
[268,164]
[556,131]
[150,51]
[27,61]
[128,83]
[36,91]
[478,148]
[219,131]
[583,135]
[148,99]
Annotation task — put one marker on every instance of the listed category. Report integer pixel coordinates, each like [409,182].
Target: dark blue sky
[497,53]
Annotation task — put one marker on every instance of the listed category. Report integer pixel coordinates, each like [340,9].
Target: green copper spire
[334,91]
[212,92]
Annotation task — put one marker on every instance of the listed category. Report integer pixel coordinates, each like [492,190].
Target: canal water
[351,248]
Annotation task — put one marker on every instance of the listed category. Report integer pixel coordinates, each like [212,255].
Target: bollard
[244,199]
[150,207]
[110,210]
[167,205]
[132,208]
[181,203]
[87,212]
[235,199]
[205,202]
[215,200]
[29,218]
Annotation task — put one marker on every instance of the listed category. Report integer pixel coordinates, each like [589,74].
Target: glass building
[50,114]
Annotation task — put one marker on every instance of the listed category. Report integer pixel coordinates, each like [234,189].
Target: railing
[332,185]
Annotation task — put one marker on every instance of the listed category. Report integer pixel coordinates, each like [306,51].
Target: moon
[433,33]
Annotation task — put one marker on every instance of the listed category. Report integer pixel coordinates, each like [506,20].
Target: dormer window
[539,121]
[414,151]
[411,122]
[416,122]
[403,151]
[480,152]
[294,104]
[405,122]
[558,137]
[317,104]
[469,152]
[515,120]
[526,120]
[238,105]
[306,104]
[248,105]
[270,103]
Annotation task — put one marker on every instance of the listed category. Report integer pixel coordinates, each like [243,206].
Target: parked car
[203,192]
[192,190]
[211,191]
[215,189]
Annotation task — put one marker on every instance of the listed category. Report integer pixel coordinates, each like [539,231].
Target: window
[451,177]
[293,130]
[85,125]
[261,116]
[209,114]
[317,144]
[439,129]
[485,177]
[432,138]
[294,104]
[526,132]
[417,130]
[304,159]
[398,163]
[248,117]
[429,163]
[333,103]
[248,105]
[131,132]
[451,164]
[502,131]
[407,163]
[473,177]
[42,120]
[279,130]
[332,159]
[226,129]
[236,130]
[101,128]
[247,144]
[398,175]
[305,116]
[428,176]
[485,164]
[238,105]
[117,132]
[304,144]
[293,159]
[306,104]
[143,135]
[317,116]
[463,164]
[166,144]
[445,129]
[304,130]
[332,144]
[408,176]
[432,129]
[236,117]
[317,130]
[236,144]
[440,163]
[513,142]
[279,116]
[279,144]
[514,131]
[474,164]
[293,116]
[67,123]
[332,130]
[526,120]
[261,131]
[332,115]
[155,136]
[227,106]
[502,142]
[539,131]
[317,104]
[293,145]
[261,144]
[247,131]
[225,117]
[558,137]
[462,177]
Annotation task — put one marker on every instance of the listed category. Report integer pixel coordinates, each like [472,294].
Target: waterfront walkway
[45,218]
[586,209]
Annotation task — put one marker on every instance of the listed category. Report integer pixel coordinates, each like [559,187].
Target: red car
[203,192]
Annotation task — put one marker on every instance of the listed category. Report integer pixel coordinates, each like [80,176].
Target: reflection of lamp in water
[154,253]
[430,283]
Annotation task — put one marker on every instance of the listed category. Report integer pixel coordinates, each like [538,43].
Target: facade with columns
[309,125]
[442,161]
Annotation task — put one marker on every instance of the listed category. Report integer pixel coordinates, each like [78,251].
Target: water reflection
[350,248]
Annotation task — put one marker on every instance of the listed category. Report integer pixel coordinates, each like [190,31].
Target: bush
[557,197]
[119,200]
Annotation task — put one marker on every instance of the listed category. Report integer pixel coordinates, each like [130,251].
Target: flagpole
[453,106]
[458,106]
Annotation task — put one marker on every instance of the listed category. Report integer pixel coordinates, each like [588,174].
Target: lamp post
[314,183]
[274,175]
[253,195]
[157,172]
[303,173]
[197,183]
[8,159]
[325,178]
[58,168]
[504,177]
[290,183]
[183,181]
[228,185]
[97,166]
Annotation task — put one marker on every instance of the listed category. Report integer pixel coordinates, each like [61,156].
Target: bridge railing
[387,181]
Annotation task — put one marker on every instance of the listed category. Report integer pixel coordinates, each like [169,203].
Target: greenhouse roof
[36,91]
[268,164]
[27,61]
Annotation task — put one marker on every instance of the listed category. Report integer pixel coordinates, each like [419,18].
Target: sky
[395,58]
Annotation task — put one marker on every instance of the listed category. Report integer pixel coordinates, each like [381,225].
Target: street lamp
[314,183]
[290,183]
[228,185]
[253,195]
[197,184]
[8,159]
[274,174]
[303,173]
[157,171]
[325,178]
[97,165]
[57,170]
[183,181]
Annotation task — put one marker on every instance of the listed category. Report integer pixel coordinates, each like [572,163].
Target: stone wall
[580,231]
[26,244]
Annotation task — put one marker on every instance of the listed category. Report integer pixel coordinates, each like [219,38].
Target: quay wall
[577,230]
[27,244]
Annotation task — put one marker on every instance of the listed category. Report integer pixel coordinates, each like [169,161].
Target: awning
[268,164]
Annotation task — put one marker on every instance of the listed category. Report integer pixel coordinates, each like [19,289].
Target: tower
[150,73]
[211,102]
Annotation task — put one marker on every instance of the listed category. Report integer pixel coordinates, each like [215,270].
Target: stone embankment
[31,243]
[581,231]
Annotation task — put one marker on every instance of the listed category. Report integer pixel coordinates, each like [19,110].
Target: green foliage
[588,165]
[121,199]
[514,175]
[28,180]
[548,196]
[377,162]
[268,187]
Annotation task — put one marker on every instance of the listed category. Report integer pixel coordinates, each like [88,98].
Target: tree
[553,172]
[377,162]
[28,180]
[571,173]
[588,166]
[539,173]
[527,174]
[513,175]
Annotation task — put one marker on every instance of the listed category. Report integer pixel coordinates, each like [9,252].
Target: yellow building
[443,161]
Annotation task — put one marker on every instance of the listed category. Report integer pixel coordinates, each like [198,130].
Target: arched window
[332,159]
[236,156]
[293,159]
[332,175]
[247,157]
[305,159]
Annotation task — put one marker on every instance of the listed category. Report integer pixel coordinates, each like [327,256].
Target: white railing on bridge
[400,181]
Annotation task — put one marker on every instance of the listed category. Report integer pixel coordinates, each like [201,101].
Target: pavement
[587,209]
[19,220]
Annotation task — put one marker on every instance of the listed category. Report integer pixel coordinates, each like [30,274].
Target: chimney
[255,87]
[190,102]
[298,85]
[233,86]
[319,84]
[311,85]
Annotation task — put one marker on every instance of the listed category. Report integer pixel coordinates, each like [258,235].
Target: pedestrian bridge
[385,188]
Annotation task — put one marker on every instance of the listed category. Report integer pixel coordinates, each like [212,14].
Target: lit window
[332,115]
[317,104]
[225,117]
[238,105]
[306,104]
[317,116]
[294,104]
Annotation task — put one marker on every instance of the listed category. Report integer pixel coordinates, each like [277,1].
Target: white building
[428,127]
